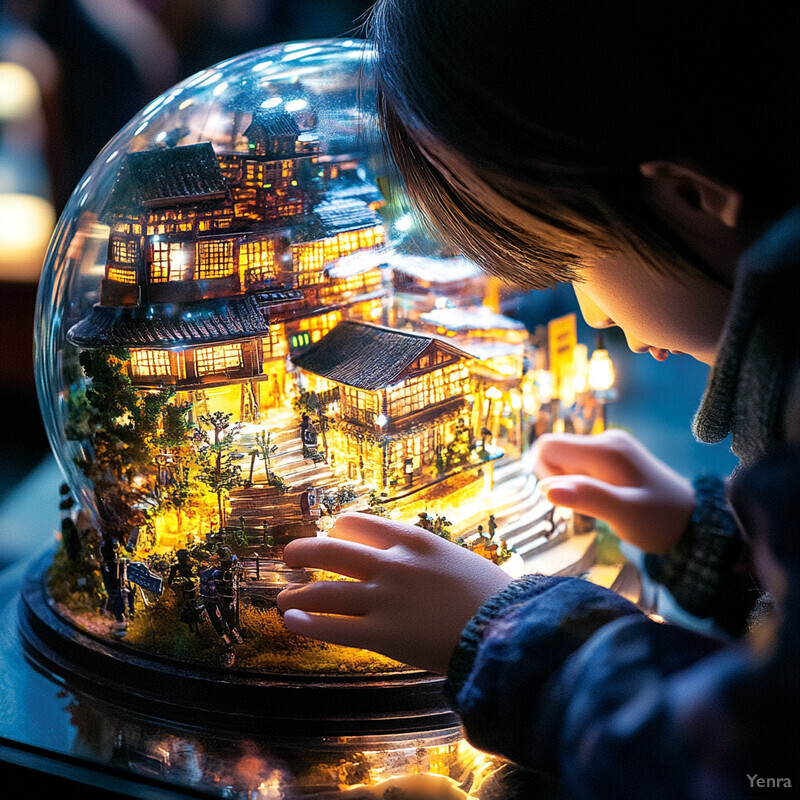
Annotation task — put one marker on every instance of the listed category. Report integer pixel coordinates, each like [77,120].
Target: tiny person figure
[182,578]
[220,595]
[118,596]
[308,436]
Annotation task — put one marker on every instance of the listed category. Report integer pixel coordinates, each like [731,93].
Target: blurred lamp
[19,91]
[601,369]
[26,223]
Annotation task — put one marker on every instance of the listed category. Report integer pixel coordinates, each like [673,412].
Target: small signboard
[562,335]
[138,573]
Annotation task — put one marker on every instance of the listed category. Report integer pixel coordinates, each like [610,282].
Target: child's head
[521,128]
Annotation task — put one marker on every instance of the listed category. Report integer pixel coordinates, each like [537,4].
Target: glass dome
[238,337]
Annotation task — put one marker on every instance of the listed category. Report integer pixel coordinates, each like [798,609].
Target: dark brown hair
[518,126]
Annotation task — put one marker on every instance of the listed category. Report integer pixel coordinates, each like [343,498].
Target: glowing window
[215,259]
[273,346]
[257,261]
[121,275]
[170,262]
[300,339]
[222,358]
[146,363]
[124,251]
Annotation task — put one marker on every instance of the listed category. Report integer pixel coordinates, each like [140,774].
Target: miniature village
[262,358]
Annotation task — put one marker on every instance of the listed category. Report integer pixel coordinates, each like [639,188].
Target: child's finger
[589,496]
[347,631]
[334,555]
[328,597]
[373,531]
[611,458]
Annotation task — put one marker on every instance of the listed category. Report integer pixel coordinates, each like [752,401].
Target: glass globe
[239,336]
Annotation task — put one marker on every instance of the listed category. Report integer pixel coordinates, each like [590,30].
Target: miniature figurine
[119,599]
[219,591]
[182,578]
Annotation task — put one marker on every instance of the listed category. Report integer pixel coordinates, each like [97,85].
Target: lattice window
[320,325]
[121,275]
[257,261]
[273,346]
[170,261]
[148,363]
[222,358]
[359,405]
[215,259]
[124,251]
[309,259]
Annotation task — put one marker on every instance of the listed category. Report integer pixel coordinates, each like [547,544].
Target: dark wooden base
[225,699]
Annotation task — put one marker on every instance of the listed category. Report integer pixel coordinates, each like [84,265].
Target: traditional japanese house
[399,404]
[219,265]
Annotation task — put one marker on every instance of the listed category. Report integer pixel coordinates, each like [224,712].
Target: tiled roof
[166,176]
[340,214]
[173,325]
[271,123]
[366,356]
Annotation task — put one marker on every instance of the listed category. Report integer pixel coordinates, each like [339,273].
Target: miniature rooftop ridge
[272,123]
[178,325]
[166,176]
[368,356]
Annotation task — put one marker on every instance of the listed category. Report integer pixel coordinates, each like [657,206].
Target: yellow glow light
[19,91]
[26,224]
[601,370]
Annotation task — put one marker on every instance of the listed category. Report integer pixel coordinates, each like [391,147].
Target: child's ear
[682,191]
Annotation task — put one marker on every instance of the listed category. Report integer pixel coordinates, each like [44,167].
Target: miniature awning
[172,325]
[370,357]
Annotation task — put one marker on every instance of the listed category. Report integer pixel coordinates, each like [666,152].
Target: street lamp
[601,377]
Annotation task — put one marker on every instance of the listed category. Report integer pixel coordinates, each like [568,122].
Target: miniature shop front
[240,337]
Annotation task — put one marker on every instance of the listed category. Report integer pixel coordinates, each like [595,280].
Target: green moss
[156,627]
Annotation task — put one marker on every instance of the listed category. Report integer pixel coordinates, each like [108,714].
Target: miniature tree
[267,450]
[181,492]
[218,470]
[457,452]
[121,425]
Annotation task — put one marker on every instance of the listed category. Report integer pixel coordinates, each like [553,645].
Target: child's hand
[613,477]
[414,593]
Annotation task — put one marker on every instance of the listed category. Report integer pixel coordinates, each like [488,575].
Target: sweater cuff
[463,657]
[697,571]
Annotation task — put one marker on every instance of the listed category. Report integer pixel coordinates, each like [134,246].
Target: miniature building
[400,397]
[218,266]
